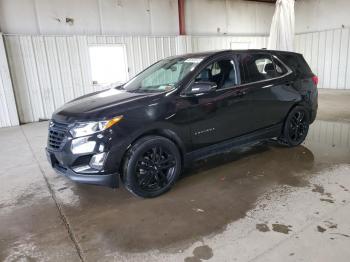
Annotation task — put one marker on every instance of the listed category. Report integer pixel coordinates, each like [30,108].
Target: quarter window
[280,69]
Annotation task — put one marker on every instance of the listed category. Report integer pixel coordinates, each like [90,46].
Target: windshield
[163,75]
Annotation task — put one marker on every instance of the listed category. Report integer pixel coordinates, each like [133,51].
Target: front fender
[122,142]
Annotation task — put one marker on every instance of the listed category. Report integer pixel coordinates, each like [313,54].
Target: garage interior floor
[256,203]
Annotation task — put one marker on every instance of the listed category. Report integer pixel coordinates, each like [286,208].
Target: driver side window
[222,72]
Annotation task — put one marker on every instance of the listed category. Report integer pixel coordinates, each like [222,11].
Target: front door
[223,114]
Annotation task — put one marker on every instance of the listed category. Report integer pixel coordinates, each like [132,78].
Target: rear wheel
[152,166]
[295,127]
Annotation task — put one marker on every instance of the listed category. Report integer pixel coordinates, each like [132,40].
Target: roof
[211,53]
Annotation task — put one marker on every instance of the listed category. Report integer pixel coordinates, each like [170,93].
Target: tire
[295,127]
[151,167]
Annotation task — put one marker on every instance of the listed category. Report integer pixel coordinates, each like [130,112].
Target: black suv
[179,109]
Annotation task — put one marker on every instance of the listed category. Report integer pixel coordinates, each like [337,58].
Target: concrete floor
[257,203]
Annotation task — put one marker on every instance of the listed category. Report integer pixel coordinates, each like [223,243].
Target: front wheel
[152,166]
[295,127]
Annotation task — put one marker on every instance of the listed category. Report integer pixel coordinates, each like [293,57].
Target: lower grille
[57,134]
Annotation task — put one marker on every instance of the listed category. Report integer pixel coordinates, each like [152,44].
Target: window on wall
[108,64]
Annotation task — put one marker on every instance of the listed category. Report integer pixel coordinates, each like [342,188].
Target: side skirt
[215,149]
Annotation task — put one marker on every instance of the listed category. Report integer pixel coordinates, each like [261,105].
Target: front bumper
[110,180]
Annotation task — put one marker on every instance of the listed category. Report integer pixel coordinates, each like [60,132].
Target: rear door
[269,88]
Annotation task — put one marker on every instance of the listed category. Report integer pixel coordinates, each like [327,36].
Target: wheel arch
[302,104]
[163,132]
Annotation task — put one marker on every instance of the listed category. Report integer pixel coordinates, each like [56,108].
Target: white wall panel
[327,53]
[134,17]
[316,15]
[142,17]
[206,43]
[208,17]
[8,110]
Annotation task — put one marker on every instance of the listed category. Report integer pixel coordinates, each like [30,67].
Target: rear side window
[258,67]
[297,63]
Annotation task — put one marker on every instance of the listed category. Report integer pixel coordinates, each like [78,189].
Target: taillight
[315,80]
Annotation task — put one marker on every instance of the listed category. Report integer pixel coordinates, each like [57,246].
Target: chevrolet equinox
[179,109]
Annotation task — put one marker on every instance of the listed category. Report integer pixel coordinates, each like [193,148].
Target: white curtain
[282,27]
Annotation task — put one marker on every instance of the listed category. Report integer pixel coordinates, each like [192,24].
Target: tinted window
[297,63]
[257,67]
[280,68]
[222,72]
[163,75]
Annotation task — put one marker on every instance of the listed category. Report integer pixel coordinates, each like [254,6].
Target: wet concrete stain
[321,229]
[341,234]
[321,190]
[331,225]
[200,253]
[26,235]
[318,189]
[280,228]
[327,200]
[225,187]
[344,188]
[262,227]
[173,221]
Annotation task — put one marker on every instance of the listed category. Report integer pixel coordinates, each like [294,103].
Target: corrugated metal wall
[327,52]
[8,110]
[48,71]
[205,43]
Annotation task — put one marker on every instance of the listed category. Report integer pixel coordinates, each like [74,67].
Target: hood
[102,105]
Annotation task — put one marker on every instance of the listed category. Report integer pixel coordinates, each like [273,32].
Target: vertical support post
[181,7]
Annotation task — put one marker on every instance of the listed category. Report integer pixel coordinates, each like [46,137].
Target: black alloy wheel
[155,169]
[152,166]
[296,127]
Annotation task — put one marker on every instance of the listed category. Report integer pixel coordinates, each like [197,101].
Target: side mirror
[202,87]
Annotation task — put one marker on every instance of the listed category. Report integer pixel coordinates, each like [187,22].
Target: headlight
[82,145]
[89,128]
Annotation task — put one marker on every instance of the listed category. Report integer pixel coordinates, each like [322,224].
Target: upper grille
[57,134]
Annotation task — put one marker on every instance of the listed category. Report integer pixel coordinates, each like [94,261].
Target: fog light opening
[98,160]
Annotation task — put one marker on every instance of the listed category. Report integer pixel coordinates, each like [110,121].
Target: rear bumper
[313,115]
[109,180]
